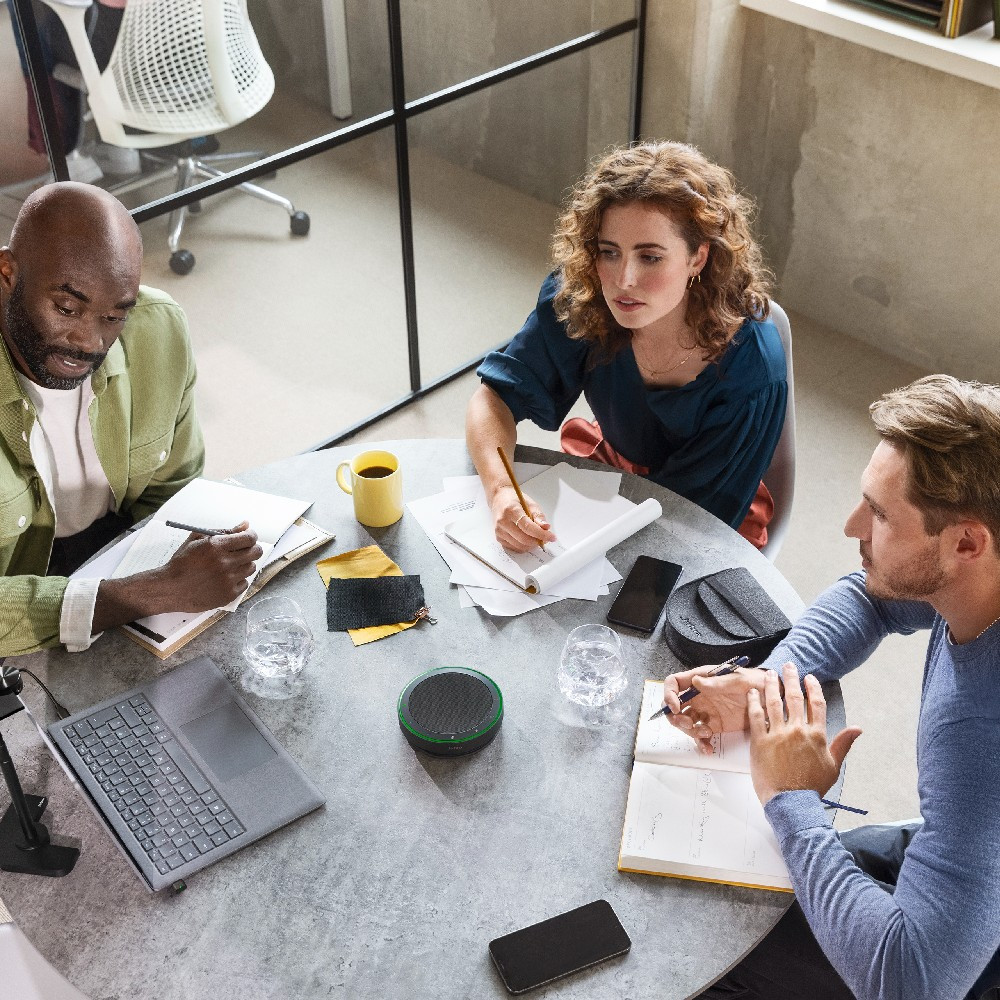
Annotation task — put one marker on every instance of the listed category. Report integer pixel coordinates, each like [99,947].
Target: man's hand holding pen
[721,705]
[207,571]
[786,719]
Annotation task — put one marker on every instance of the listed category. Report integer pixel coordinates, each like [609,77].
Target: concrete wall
[535,132]
[878,180]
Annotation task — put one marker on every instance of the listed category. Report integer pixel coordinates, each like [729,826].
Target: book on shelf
[959,17]
[586,518]
[282,533]
[950,17]
[927,13]
[690,815]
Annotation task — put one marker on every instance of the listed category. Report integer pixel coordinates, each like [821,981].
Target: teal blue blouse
[710,440]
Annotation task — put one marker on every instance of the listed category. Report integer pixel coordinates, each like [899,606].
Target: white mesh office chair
[26,975]
[180,70]
[780,475]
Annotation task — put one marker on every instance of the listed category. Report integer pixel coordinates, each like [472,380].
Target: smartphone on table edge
[559,946]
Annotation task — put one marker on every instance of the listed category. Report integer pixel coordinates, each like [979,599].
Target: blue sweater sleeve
[540,373]
[938,931]
[843,627]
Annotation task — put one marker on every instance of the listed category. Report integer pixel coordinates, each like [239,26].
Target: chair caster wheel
[195,207]
[300,224]
[182,262]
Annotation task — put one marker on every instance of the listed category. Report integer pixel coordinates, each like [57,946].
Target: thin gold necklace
[661,371]
[951,637]
[988,627]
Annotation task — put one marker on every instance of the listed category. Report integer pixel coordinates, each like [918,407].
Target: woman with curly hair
[658,313]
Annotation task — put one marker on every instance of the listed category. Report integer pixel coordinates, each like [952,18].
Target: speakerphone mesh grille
[450,703]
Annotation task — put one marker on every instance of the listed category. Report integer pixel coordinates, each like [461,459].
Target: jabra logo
[692,626]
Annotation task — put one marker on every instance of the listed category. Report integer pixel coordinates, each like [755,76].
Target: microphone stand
[25,847]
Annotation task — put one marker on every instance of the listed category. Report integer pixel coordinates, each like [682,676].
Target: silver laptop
[182,771]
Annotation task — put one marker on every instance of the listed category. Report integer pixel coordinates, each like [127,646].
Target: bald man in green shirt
[97,427]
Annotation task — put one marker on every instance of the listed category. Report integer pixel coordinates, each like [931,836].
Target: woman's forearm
[489,424]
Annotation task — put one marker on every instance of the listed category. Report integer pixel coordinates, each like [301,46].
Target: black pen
[721,670]
[201,531]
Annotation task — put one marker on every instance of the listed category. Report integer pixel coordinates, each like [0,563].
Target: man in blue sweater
[911,910]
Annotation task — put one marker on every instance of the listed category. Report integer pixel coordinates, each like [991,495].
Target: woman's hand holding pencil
[519,522]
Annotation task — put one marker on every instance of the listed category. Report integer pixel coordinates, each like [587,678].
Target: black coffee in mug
[376,472]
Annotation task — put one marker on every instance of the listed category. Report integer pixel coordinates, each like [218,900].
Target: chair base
[188,168]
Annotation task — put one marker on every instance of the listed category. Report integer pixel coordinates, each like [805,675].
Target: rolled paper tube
[577,556]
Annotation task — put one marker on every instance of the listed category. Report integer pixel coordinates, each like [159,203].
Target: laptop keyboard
[159,793]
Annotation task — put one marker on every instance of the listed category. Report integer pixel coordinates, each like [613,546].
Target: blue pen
[830,804]
[721,670]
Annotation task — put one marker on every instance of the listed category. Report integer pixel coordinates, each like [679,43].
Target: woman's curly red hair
[701,199]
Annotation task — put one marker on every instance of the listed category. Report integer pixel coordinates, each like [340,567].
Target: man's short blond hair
[949,434]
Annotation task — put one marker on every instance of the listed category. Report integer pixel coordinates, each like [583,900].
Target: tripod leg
[29,853]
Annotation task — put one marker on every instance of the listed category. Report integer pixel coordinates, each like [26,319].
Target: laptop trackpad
[228,741]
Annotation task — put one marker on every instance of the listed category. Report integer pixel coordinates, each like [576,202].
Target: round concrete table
[395,888]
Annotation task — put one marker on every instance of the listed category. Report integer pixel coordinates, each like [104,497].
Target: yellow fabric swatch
[368,562]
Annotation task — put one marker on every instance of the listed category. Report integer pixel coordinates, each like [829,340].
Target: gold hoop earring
[693,279]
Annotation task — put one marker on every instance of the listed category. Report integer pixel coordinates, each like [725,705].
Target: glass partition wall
[430,145]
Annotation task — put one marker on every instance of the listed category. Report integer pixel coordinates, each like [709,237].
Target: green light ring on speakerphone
[434,670]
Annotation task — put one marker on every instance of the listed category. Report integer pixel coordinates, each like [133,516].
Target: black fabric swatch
[361,602]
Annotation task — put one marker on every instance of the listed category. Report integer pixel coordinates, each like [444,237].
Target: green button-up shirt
[148,441]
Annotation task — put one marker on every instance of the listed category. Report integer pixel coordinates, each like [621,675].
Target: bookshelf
[975,56]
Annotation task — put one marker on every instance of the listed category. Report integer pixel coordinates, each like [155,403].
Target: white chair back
[780,475]
[26,975]
[179,69]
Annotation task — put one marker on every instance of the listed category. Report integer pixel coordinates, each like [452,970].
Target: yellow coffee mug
[376,484]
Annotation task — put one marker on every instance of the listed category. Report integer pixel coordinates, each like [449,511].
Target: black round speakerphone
[450,711]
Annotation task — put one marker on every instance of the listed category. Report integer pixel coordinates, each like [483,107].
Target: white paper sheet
[155,545]
[507,603]
[588,517]
[700,822]
[523,470]
[476,583]
[435,512]
[208,504]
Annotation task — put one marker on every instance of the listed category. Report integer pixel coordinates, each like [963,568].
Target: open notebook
[281,533]
[694,816]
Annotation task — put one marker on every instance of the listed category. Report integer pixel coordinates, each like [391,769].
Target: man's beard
[34,351]
[914,582]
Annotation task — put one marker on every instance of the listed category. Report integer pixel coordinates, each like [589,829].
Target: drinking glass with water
[277,647]
[592,667]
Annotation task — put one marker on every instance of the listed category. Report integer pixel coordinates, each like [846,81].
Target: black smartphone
[639,603]
[535,955]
